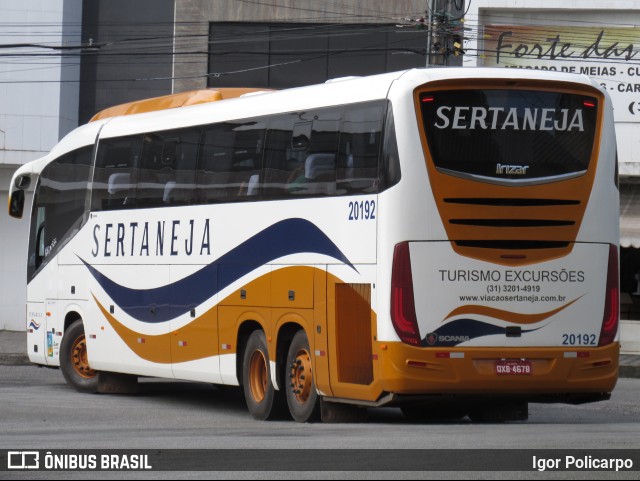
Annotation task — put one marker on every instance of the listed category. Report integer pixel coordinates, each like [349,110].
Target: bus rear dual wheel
[298,391]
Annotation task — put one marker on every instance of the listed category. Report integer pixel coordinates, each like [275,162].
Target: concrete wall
[38,108]
[39,105]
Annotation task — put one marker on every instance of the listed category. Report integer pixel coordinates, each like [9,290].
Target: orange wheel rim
[80,358]
[258,376]
[301,376]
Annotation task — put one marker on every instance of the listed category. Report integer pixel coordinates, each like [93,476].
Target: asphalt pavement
[13,352]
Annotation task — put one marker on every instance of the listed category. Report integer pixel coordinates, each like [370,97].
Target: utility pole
[445,40]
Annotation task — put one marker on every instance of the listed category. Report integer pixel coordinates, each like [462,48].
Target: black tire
[302,396]
[263,401]
[74,363]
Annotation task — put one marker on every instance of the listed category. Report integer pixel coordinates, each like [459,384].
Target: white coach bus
[442,240]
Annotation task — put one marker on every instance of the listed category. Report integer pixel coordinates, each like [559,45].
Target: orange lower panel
[410,370]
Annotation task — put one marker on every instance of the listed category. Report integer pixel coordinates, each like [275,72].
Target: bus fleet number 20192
[579,339]
[362,210]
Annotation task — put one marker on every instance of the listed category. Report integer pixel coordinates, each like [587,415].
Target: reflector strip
[182,343]
[141,340]
[449,355]
[92,336]
[320,353]
[575,355]
[226,347]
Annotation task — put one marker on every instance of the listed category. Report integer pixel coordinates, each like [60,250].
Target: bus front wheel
[74,361]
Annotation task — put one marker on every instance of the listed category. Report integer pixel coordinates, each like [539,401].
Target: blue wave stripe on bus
[463,330]
[161,304]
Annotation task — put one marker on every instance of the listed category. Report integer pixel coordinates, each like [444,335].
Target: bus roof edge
[172,101]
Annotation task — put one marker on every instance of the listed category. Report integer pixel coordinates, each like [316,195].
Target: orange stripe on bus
[503,315]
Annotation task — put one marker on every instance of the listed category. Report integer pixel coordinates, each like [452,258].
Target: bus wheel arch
[74,362]
[70,318]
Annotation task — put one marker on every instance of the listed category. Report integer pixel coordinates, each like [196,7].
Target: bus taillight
[611,308]
[403,309]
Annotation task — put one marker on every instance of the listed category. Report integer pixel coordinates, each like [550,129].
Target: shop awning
[630,214]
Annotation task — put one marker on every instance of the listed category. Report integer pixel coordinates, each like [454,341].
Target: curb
[15,360]
[629,371]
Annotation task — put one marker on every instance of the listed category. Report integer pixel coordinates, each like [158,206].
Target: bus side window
[246,166]
[390,162]
[186,159]
[320,165]
[360,136]
[230,162]
[58,206]
[300,154]
[283,164]
[115,173]
[150,187]
[167,169]
[214,163]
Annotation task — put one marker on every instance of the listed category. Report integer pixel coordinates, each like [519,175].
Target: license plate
[513,368]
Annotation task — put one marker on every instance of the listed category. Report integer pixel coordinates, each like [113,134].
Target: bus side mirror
[16,198]
[16,204]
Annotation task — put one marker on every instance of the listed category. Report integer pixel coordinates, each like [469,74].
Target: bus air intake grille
[512,244]
[501,223]
[505,202]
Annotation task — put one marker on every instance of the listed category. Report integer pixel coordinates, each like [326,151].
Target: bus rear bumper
[551,374]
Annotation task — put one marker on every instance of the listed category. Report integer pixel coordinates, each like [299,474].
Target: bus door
[352,331]
[43,340]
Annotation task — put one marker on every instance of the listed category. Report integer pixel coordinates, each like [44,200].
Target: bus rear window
[508,135]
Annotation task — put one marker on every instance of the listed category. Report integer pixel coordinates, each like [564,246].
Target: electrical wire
[186,42]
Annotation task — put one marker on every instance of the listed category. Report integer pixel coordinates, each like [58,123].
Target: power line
[118,45]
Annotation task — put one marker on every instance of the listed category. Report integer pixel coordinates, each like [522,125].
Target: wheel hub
[80,358]
[301,376]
